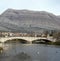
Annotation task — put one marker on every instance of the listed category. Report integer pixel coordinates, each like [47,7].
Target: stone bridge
[29,39]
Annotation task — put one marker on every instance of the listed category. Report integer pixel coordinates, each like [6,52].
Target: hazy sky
[52,6]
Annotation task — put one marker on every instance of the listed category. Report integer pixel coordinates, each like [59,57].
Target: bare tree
[56,36]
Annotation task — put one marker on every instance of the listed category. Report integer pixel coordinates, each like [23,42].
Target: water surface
[30,52]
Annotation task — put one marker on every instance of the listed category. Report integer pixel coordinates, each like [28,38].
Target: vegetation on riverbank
[56,43]
[1,49]
[57,37]
[53,43]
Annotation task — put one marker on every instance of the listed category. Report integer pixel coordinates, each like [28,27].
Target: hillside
[26,20]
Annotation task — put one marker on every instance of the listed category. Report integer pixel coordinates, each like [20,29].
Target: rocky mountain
[26,20]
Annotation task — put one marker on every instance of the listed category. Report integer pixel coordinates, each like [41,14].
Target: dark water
[30,52]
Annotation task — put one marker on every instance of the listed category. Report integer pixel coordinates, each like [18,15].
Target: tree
[45,33]
[56,36]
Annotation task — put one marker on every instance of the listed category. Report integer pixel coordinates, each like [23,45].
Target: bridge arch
[28,39]
[43,41]
[16,40]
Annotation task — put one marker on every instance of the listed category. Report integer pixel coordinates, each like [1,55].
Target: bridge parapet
[30,39]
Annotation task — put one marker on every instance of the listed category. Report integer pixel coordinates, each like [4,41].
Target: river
[30,52]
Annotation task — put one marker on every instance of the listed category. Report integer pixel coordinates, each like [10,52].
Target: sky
[52,6]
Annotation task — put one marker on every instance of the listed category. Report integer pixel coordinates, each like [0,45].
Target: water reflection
[31,52]
[23,56]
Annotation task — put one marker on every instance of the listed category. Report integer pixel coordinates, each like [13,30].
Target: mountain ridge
[12,20]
